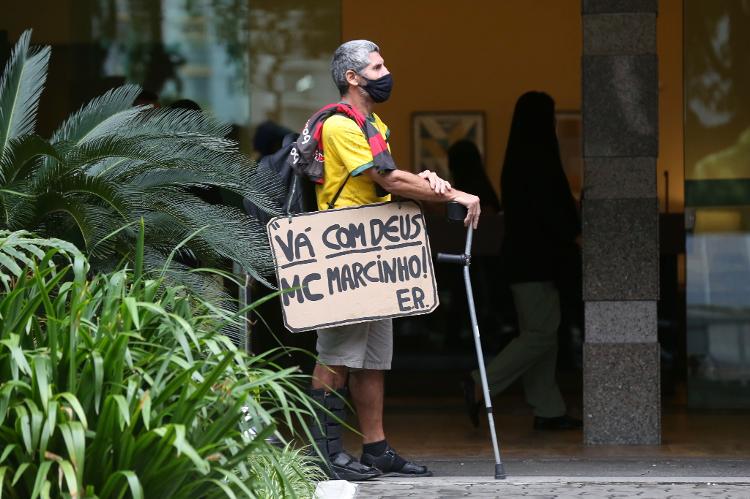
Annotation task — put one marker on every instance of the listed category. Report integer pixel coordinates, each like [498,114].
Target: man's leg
[540,311]
[366,388]
[367,393]
[541,389]
[339,349]
[329,377]
[537,308]
[539,381]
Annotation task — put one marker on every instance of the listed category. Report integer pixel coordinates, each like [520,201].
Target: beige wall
[51,21]
[671,135]
[65,25]
[482,54]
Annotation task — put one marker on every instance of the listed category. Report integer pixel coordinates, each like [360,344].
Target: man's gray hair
[354,55]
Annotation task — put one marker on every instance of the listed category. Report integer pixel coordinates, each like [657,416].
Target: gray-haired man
[361,352]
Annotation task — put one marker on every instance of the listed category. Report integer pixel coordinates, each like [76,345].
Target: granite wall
[620,222]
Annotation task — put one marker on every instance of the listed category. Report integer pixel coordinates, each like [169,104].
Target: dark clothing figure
[188,104]
[468,174]
[269,137]
[467,170]
[541,223]
[541,218]
[147,98]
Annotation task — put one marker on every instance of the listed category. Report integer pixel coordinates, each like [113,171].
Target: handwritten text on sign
[353,265]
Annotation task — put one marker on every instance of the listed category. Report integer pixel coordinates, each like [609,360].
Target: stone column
[621,392]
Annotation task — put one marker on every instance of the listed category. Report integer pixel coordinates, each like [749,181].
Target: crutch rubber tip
[499,472]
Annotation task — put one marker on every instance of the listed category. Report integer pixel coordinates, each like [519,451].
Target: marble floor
[433,427]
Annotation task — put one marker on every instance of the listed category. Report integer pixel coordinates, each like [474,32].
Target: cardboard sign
[353,265]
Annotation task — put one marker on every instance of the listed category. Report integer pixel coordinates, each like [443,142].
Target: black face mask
[379,90]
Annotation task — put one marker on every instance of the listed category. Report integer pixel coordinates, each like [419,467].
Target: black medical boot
[326,433]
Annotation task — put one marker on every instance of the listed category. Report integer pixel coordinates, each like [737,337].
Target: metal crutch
[457,212]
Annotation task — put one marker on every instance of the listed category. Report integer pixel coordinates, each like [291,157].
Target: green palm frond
[110,164]
[17,207]
[20,88]
[108,147]
[92,222]
[19,155]
[230,233]
[162,230]
[249,182]
[192,148]
[194,151]
[142,156]
[238,177]
[165,177]
[156,150]
[22,159]
[68,184]
[119,157]
[166,121]
[104,115]
[175,273]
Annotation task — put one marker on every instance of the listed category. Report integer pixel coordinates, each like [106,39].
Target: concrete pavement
[557,488]
[560,479]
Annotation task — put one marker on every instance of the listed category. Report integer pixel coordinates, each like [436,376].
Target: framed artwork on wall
[569,135]
[434,132]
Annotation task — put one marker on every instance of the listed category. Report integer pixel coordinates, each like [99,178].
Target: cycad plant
[110,164]
[119,386]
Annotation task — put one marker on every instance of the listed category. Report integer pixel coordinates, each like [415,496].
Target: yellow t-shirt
[346,150]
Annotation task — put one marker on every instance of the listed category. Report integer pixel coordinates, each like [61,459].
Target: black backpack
[298,194]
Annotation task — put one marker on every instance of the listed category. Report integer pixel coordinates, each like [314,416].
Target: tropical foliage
[110,164]
[119,385]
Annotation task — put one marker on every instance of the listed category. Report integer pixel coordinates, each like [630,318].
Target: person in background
[268,138]
[188,104]
[541,223]
[147,98]
[468,174]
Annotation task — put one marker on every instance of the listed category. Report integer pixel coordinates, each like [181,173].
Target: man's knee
[333,377]
[367,379]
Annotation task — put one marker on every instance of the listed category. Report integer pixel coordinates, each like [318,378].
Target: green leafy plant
[110,164]
[289,468]
[118,385]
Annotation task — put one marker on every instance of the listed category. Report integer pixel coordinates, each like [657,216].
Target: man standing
[358,170]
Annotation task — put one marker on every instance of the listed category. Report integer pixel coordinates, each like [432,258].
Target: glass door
[717,201]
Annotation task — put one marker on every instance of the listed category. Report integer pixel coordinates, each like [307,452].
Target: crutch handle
[455,212]
[451,258]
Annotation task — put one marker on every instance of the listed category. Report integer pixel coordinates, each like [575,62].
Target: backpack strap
[332,202]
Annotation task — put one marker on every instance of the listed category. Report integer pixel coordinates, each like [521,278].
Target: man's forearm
[413,186]
[408,185]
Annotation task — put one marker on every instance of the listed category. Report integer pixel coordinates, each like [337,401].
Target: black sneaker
[558,423]
[387,463]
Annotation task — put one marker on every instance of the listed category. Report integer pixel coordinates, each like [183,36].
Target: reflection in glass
[291,46]
[245,61]
[717,188]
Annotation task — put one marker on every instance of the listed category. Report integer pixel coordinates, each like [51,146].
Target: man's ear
[351,77]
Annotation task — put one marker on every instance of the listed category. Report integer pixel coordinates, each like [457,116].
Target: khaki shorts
[367,345]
